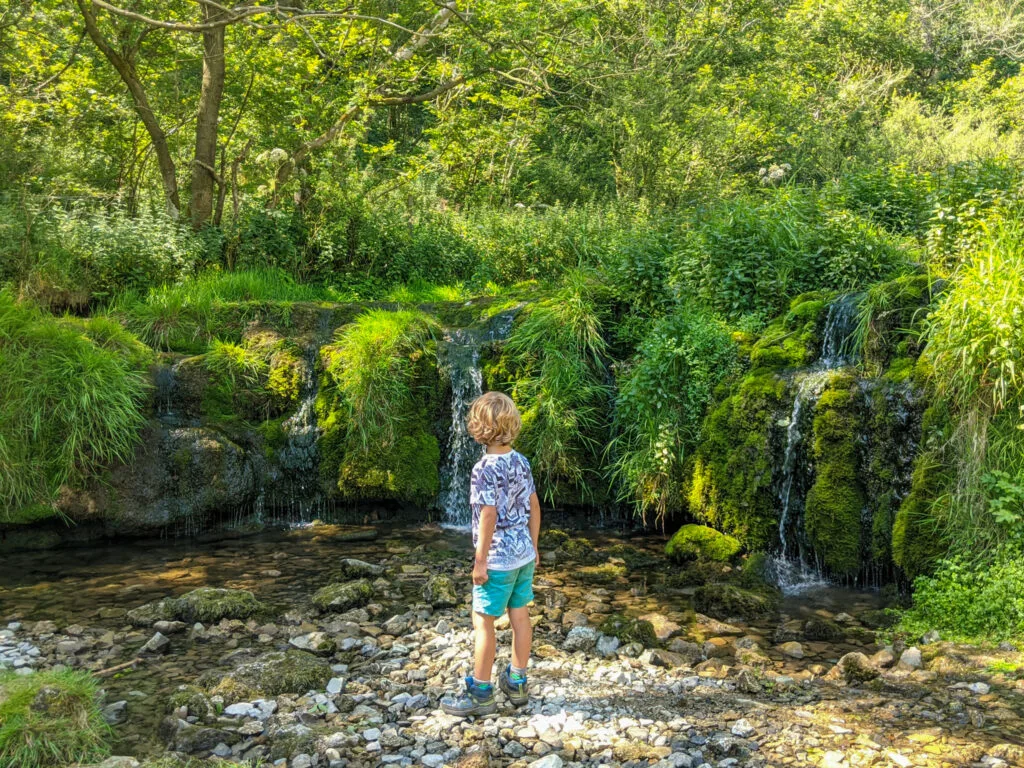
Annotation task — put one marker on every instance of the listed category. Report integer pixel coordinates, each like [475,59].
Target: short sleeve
[530,487]
[483,486]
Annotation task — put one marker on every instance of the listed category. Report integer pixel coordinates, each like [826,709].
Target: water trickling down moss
[836,500]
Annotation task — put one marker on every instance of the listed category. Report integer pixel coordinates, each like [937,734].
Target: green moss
[731,485]
[343,596]
[578,549]
[50,719]
[892,316]
[754,571]
[630,630]
[552,538]
[606,573]
[725,601]
[407,471]
[636,559]
[836,501]
[208,604]
[194,700]
[273,674]
[917,540]
[284,379]
[693,542]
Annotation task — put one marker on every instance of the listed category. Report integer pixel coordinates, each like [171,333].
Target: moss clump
[698,542]
[725,601]
[606,573]
[50,719]
[836,501]
[343,596]
[917,537]
[273,674]
[208,604]
[793,339]
[440,592]
[285,375]
[578,549]
[731,486]
[194,700]
[754,571]
[407,471]
[552,538]
[149,614]
[824,630]
[892,314]
[630,630]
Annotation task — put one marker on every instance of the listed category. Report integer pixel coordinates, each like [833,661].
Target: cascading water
[792,567]
[299,457]
[459,357]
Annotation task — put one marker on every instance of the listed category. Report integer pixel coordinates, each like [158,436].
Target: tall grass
[73,397]
[182,316]
[559,355]
[51,719]
[373,363]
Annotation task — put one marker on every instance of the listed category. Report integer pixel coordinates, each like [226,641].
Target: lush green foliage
[557,360]
[73,393]
[51,718]
[967,600]
[662,397]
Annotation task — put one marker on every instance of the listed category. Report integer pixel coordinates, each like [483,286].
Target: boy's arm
[488,519]
[535,523]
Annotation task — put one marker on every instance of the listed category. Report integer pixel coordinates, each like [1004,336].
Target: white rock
[743,729]
[335,685]
[548,761]
[372,734]
[980,688]
[432,761]
[910,660]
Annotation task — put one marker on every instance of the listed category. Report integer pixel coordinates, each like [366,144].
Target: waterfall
[459,358]
[299,457]
[792,567]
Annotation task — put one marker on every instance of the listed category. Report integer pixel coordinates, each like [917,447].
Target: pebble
[743,729]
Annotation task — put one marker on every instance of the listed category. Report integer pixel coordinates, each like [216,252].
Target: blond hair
[493,418]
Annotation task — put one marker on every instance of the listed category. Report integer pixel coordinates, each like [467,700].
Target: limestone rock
[273,674]
[343,596]
[440,592]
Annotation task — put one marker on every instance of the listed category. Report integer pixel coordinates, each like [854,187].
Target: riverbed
[759,690]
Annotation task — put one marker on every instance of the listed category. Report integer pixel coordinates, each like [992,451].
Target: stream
[710,689]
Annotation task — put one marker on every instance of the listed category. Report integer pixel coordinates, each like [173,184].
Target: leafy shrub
[967,599]
[661,402]
[73,392]
[51,718]
[755,252]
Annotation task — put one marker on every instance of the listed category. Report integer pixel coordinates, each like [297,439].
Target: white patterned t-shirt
[504,481]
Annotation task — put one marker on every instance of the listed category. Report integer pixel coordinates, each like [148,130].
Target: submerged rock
[853,668]
[343,596]
[149,614]
[355,569]
[629,630]
[724,601]
[272,674]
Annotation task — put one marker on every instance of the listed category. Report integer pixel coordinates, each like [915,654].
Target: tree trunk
[156,133]
[203,177]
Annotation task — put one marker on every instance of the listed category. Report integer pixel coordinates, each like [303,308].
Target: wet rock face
[177,477]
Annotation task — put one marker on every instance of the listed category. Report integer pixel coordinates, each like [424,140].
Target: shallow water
[92,587]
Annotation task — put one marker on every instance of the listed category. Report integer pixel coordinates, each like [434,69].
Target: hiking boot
[475,701]
[514,689]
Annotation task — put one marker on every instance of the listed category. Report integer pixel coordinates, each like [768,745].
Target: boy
[506,524]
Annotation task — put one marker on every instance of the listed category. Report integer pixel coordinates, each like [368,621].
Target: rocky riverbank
[626,672]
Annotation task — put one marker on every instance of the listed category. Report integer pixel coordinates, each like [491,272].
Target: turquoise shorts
[503,590]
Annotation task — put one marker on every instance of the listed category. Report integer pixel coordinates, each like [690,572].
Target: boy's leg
[522,636]
[483,658]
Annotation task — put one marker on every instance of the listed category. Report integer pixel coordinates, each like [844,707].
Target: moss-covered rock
[725,601]
[606,573]
[699,542]
[208,604]
[731,486]
[836,502]
[823,630]
[552,538]
[630,630]
[343,596]
[917,537]
[194,700]
[440,592]
[273,674]
[578,549]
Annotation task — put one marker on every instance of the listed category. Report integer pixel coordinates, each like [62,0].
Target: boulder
[149,614]
[209,605]
[724,601]
[273,674]
[343,596]
[853,668]
[581,639]
[315,642]
[910,660]
[822,630]
[629,630]
[440,592]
